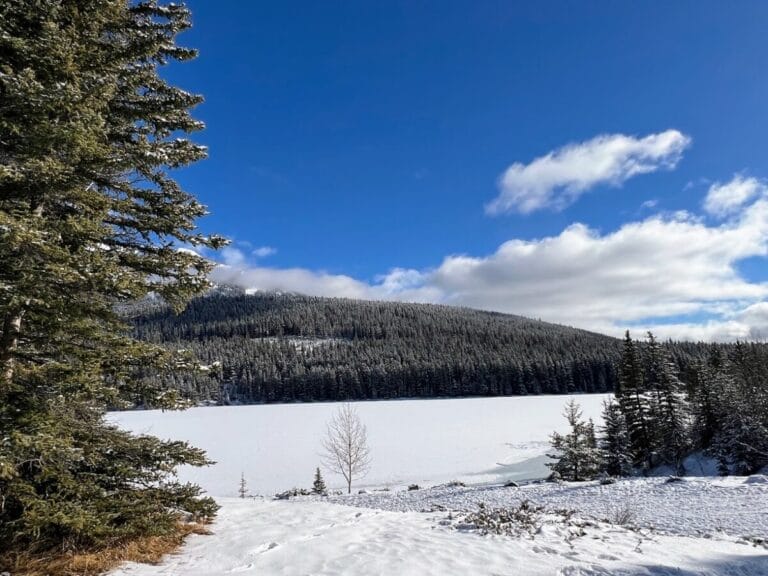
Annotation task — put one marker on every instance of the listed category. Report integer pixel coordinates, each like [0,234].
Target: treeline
[285,348]
[657,417]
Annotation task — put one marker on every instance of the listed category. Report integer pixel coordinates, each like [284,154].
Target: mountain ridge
[269,347]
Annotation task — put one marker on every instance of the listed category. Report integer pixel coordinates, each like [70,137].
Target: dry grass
[621,514]
[148,550]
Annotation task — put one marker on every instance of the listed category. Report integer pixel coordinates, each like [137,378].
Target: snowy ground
[315,538]
[736,506]
[701,526]
[277,446]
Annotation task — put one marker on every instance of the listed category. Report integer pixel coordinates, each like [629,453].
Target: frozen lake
[427,442]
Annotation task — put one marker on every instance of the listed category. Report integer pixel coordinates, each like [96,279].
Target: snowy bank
[692,506]
[255,536]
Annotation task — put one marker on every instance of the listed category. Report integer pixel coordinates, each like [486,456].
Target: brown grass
[147,550]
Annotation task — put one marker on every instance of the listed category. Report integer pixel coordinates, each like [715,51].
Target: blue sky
[361,146]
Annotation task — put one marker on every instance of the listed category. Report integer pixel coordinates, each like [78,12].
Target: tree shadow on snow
[723,566]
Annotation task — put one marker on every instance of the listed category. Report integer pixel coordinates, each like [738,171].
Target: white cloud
[263,251]
[637,276]
[291,280]
[651,269]
[232,256]
[560,177]
[399,284]
[675,273]
[723,199]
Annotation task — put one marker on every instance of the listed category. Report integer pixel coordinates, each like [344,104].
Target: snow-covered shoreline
[697,525]
[689,506]
[320,538]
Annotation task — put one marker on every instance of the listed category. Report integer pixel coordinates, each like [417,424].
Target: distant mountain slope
[286,347]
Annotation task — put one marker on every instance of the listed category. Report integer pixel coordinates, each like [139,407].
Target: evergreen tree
[651,355]
[242,490]
[90,218]
[577,457]
[614,442]
[634,403]
[729,410]
[742,444]
[668,412]
[318,486]
[674,415]
[705,405]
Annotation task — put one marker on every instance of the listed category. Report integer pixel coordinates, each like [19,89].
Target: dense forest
[269,347]
[656,419]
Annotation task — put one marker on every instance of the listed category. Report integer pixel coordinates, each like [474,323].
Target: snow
[698,525]
[255,536]
[425,442]
[694,506]
[302,345]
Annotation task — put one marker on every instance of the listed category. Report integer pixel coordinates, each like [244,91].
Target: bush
[524,520]
[621,515]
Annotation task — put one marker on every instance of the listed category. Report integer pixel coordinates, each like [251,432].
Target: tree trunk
[9,341]
[8,344]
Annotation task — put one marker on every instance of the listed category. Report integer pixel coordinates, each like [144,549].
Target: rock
[757,479]
[288,494]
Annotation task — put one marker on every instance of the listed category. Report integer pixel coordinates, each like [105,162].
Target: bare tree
[346,445]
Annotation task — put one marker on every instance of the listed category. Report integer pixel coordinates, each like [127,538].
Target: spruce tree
[673,416]
[242,490]
[730,414]
[742,444]
[576,454]
[614,441]
[634,403]
[652,362]
[90,218]
[706,405]
[318,486]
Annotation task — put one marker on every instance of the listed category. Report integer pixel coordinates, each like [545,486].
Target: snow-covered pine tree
[576,454]
[652,359]
[712,401]
[747,421]
[614,442]
[593,461]
[673,416]
[730,411]
[742,444]
[706,412]
[634,403]
[318,486]
[668,416]
[242,490]
[89,219]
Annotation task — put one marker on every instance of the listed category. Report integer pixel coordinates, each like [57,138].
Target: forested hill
[282,348]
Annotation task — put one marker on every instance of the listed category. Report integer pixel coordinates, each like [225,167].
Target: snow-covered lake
[427,442]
